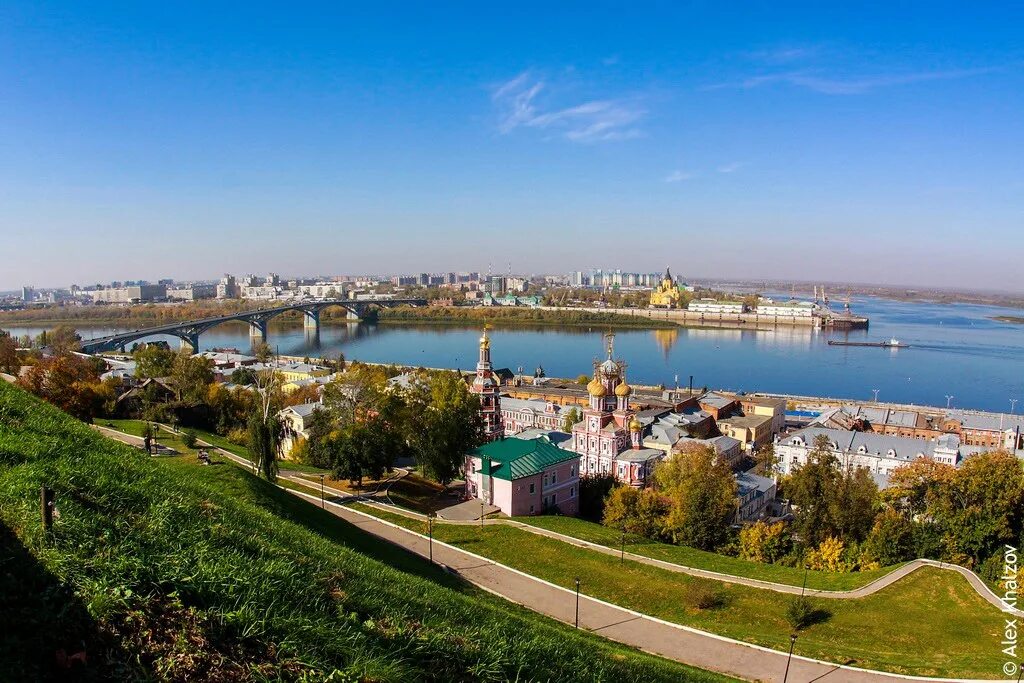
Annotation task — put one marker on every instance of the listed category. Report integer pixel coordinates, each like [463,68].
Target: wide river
[956,350]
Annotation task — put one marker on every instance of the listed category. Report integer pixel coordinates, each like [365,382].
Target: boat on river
[891,344]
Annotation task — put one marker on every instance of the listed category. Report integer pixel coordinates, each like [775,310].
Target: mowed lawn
[931,623]
[699,559]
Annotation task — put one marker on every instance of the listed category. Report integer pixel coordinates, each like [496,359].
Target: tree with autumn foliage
[71,383]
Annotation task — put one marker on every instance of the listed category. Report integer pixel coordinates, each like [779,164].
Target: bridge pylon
[311,320]
[258,331]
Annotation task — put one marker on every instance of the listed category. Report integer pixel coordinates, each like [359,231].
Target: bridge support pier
[311,321]
[258,331]
[191,342]
[353,315]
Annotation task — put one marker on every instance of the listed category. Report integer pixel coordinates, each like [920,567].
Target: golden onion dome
[634,425]
[595,388]
[623,390]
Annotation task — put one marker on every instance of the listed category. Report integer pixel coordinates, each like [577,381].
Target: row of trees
[366,424]
[842,521]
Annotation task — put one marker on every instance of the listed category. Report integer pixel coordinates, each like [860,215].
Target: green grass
[699,559]
[931,623]
[164,569]
[134,427]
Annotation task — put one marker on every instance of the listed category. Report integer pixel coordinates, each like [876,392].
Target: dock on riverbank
[685,318]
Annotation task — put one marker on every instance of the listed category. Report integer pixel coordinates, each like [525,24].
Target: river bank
[151,315]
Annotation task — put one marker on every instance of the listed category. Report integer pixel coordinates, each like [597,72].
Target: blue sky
[867,143]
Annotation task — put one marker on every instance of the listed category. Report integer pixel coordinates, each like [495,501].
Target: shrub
[762,542]
[189,438]
[799,613]
[238,436]
[705,596]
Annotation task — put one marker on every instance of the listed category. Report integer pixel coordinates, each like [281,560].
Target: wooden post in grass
[46,507]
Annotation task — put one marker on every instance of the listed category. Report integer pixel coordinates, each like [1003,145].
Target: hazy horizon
[783,143]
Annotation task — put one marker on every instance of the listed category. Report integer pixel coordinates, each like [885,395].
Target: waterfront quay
[745,320]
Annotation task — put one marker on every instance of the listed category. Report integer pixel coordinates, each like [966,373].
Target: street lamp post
[875,392]
[949,400]
[481,514]
[577,602]
[322,503]
[1013,404]
[622,547]
[792,644]
[430,534]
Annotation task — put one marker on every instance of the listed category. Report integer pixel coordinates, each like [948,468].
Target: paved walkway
[680,643]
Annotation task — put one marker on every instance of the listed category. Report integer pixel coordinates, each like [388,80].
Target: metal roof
[513,458]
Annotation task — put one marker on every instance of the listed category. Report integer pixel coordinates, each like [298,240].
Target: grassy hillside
[160,568]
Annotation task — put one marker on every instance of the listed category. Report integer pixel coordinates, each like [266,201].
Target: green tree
[582,380]
[854,504]
[635,511]
[152,360]
[263,427]
[981,507]
[243,376]
[809,488]
[891,540]
[701,494]
[190,376]
[571,418]
[445,425]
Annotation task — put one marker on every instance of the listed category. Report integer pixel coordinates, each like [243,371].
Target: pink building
[524,476]
[609,439]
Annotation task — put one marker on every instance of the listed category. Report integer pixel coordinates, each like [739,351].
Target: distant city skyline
[788,142]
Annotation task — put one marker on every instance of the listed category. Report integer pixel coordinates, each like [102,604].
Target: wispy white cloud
[592,121]
[731,167]
[817,81]
[783,55]
[678,176]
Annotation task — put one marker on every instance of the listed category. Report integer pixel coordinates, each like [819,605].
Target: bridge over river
[188,331]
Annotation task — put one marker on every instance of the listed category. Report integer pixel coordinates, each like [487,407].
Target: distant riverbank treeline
[513,316]
[157,314]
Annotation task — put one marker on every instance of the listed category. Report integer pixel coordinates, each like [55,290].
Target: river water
[956,350]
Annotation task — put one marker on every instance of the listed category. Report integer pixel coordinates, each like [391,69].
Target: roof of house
[513,458]
[716,400]
[745,481]
[303,409]
[552,435]
[752,421]
[879,445]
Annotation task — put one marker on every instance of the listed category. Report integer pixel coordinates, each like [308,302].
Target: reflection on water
[954,350]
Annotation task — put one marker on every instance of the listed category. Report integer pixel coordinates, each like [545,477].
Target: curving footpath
[674,641]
